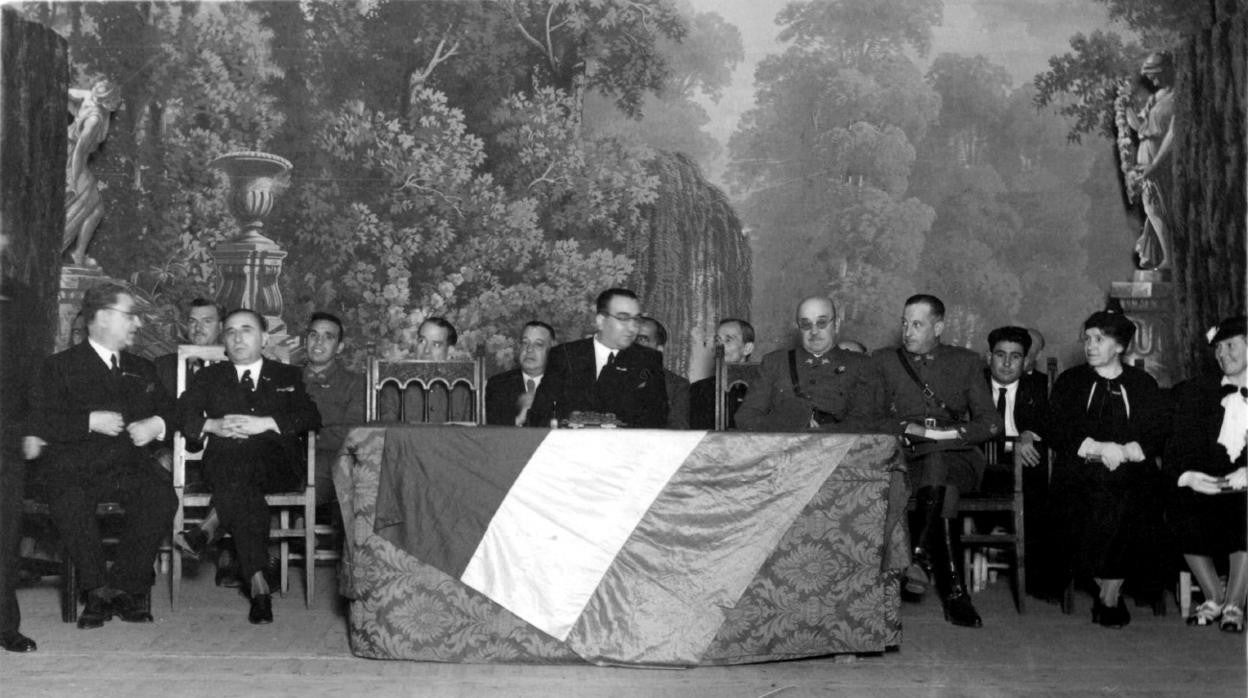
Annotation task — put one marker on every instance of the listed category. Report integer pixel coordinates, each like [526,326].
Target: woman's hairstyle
[1113,324]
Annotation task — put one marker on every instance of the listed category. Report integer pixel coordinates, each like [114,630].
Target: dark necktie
[116,369]
[1002,444]
[529,385]
[609,364]
[246,382]
[194,365]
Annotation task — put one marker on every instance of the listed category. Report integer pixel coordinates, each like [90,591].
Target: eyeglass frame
[128,313]
[821,325]
[625,319]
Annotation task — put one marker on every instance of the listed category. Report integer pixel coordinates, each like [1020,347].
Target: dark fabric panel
[437,496]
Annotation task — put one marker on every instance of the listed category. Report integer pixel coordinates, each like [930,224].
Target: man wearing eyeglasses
[101,412]
[811,387]
[606,373]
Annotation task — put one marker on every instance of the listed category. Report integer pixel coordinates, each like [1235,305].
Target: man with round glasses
[605,373]
[812,387]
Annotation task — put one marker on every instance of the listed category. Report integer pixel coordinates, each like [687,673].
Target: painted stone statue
[1148,178]
[83,205]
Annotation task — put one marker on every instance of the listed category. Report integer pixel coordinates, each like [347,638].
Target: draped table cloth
[621,547]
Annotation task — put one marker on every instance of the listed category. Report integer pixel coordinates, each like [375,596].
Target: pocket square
[286,389]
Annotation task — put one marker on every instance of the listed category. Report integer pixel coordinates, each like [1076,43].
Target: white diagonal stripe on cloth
[566,517]
[697,548]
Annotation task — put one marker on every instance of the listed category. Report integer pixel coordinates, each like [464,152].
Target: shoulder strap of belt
[927,389]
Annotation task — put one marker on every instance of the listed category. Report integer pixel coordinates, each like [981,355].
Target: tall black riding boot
[958,607]
[918,576]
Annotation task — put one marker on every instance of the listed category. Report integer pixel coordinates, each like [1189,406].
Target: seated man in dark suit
[606,373]
[816,386]
[1022,400]
[651,333]
[508,395]
[256,412]
[100,411]
[737,339]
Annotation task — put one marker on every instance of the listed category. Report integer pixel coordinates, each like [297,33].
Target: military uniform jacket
[339,396]
[833,383]
[955,375]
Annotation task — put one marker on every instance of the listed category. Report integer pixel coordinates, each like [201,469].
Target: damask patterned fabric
[828,587]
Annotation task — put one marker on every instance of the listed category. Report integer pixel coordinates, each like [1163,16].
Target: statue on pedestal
[1147,166]
[83,205]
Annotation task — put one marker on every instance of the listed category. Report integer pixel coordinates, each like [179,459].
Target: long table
[492,544]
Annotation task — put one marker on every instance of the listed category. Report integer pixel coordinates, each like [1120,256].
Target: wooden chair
[425,375]
[731,381]
[1007,502]
[302,503]
[36,508]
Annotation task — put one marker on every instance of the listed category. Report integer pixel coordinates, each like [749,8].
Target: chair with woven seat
[295,510]
[426,377]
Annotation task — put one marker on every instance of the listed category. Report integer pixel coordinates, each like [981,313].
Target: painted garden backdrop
[502,160]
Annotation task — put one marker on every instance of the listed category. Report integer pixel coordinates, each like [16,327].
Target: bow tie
[1229,389]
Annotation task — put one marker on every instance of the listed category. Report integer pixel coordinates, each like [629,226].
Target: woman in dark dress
[1206,460]
[1108,426]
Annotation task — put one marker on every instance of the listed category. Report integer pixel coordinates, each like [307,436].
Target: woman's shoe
[1206,614]
[1232,619]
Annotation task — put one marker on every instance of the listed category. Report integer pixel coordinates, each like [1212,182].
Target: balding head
[817,322]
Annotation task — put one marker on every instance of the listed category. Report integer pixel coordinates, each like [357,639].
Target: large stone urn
[251,263]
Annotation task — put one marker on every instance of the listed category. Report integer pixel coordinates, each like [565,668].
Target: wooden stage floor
[207,648]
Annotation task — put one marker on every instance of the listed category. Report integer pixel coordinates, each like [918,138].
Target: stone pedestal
[75,280]
[251,263]
[1149,301]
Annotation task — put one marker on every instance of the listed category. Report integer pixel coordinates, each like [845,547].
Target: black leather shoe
[960,611]
[917,577]
[261,609]
[17,642]
[133,608]
[192,543]
[97,611]
[1111,616]
[227,571]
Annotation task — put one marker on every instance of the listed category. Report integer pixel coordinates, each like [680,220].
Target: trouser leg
[73,512]
[12,481]
[150,504]
[245,515]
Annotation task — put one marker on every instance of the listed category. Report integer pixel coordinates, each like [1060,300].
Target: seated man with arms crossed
[101,412]
[508,395]
[255,410]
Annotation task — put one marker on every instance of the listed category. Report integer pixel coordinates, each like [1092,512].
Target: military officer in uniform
[814,387]
[934,396]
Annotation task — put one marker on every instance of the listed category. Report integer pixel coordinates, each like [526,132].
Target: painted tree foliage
[824,162]
[442,160]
